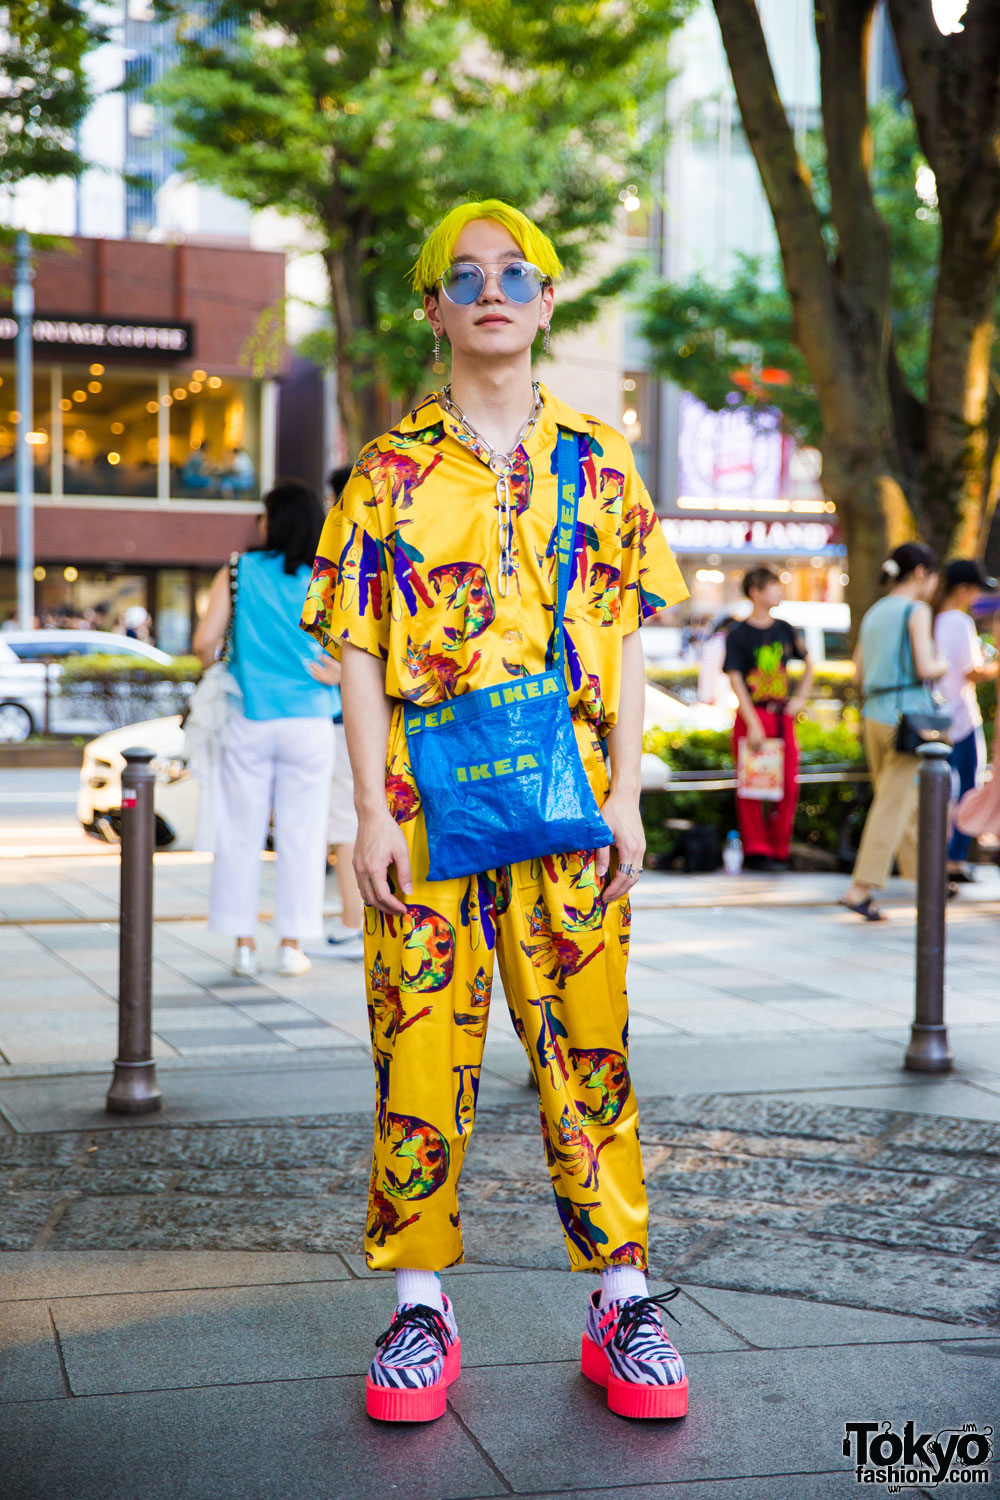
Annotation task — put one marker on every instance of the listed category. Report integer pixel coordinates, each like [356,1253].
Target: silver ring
[628,870]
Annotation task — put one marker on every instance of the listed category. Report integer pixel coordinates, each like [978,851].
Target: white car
[175,796]
[30,701]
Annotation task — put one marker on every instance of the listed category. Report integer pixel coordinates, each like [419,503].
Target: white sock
[619,1282]
[420,1286]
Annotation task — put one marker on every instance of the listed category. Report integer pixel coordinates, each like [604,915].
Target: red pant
[766,827]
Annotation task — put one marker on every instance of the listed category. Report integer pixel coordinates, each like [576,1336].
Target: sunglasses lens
[521,281]
[463,283]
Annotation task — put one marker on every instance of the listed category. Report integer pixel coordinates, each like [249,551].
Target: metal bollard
[928,1051]
[134,1089]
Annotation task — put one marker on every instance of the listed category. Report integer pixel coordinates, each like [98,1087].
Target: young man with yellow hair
[486,570]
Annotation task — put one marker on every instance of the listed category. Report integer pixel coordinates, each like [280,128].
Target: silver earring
[437,367]
[547,340]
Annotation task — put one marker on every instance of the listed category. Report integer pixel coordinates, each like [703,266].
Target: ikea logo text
[522,691]
[489,770]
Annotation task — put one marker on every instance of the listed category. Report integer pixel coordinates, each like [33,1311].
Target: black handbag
[914,729]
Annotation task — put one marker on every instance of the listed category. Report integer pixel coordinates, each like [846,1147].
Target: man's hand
[755,734]
[379,844]
[621,814]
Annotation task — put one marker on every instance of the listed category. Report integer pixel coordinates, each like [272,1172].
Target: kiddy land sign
[817,538]
[113,335]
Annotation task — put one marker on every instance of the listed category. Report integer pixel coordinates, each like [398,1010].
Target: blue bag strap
[567,508]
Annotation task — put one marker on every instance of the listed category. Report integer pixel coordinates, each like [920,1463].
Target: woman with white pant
[279,749]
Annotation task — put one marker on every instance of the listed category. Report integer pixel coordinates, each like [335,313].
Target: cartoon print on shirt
[470,594]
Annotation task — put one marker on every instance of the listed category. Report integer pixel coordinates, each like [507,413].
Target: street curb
[66,757]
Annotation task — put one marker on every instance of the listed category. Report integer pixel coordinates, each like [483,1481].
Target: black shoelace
[417,1316]
[634,1314]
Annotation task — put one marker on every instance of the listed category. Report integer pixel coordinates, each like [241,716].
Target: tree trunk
[841,313]
[954,87]
[357,396]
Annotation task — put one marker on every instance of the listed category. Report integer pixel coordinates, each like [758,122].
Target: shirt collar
[555,413]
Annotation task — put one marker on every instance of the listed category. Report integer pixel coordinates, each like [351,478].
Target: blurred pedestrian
[758,651]
[978,813]
[713,684]
[895,661]
[345,937]
[278,751]
[957,642]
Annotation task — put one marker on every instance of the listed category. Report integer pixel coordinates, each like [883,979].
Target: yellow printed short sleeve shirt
[409,562]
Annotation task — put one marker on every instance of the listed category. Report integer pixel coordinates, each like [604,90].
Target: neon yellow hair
[436,255]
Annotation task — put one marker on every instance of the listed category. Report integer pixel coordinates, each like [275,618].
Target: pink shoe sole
[626,1398]
[390,1404]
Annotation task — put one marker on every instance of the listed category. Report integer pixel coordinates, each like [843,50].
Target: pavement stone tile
[166,1340]
[260,1184]
[267,1012]
[825,1486]
[751,1414]
[199,1017]
[316,1036]
[307,1439]
[235,1034]
[84,1179]
[29,1359]
[872,1276]
[212,1223]
[895,1228]
[790,1323]
[25,1276]
[22,1218]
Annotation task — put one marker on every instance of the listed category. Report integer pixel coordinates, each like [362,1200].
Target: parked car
[30,671]
[175,796]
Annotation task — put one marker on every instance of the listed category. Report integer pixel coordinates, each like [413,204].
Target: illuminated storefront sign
[117,335]
[785,538]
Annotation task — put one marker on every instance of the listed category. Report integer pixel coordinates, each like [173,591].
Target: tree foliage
[720,339]
[899,361]
[367,121]
[43,86]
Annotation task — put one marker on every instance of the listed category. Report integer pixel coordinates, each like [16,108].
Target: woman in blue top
[279,747]
[895,662]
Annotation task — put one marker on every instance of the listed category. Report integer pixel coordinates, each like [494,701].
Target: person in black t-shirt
[758,651]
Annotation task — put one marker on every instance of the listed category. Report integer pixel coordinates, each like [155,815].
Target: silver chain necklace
[501,465]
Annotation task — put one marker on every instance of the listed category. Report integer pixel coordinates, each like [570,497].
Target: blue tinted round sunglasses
[520,281]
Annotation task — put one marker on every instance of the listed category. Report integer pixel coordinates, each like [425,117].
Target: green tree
[43,85]
[889,323]
[368,119]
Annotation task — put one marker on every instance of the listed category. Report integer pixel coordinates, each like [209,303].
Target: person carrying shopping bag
[895,662]
[278,747]
[484,577]
[758,651]
[957,641]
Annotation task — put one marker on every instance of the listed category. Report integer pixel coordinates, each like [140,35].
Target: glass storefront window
[214,438]
[109,432]
[40,437]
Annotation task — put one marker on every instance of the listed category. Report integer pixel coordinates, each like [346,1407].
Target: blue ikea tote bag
[498,769]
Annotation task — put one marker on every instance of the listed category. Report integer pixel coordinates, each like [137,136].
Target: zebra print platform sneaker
[626,1349]
[417,1358]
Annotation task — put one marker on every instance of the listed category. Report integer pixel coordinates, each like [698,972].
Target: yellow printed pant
[562,958]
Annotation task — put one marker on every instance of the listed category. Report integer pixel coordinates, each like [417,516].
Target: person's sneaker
[341,942]
[292,961]
[626,1349]
[417,1358]
[246,963]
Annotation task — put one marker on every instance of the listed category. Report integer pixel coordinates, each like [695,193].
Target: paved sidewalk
[184,1309]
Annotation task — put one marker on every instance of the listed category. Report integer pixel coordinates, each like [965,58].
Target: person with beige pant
[895,662]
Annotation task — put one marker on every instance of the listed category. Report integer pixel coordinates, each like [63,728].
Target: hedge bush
[828,817]
[119,692]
